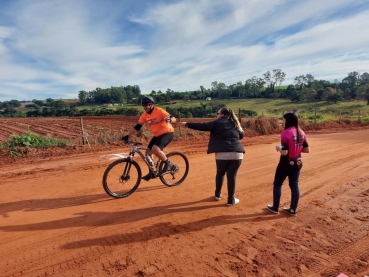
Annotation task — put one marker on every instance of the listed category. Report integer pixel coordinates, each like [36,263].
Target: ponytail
[229,114]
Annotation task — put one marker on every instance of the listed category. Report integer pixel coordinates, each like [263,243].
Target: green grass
[269,107]
[273,107]
[276,107]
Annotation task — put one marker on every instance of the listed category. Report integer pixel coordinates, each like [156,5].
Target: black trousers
[229,167]
[281,173]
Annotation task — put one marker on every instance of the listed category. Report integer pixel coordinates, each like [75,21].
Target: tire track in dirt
[319,178]
[345,253]
[316,174]
[156,229]
[48,250]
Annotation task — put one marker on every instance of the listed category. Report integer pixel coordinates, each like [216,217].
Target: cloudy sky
[55,48]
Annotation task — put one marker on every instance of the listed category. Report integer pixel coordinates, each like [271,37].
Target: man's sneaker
[236,201]
[168,164]
[272,209]
[217,198]
[290,211]
[147,177]
[174,168]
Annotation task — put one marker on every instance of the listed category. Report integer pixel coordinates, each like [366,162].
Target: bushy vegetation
[109,101]
[31,140]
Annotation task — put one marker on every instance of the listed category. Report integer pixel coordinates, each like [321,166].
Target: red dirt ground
[56,219]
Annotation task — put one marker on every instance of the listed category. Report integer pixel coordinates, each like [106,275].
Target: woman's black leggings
[230,167]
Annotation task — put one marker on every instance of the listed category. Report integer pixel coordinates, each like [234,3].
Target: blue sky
[53,49]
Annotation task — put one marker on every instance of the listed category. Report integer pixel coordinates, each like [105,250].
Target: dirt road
[56,220]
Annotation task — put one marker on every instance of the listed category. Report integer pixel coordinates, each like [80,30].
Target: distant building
[208,98]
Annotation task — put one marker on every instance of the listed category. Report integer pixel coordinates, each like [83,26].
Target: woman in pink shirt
[293,142]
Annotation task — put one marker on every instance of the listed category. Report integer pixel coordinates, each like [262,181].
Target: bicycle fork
[125,176]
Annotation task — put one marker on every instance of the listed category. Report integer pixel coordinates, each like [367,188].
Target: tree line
[305,88]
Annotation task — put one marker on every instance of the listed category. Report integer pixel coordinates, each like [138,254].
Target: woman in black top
[225,135]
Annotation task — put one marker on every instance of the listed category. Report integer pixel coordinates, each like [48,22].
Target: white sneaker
[236,201]
[217,198]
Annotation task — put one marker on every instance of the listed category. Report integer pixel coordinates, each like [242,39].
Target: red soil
[58,221]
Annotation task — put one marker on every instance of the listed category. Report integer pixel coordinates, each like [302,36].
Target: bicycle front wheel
[178,172]
[121,178]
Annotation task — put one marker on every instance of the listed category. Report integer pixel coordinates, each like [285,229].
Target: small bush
[263,125]
[31,140]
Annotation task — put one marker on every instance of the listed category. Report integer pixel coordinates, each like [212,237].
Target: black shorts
[161,141]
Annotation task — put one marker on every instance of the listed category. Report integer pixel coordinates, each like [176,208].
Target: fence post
[179,120]
[340,117]
[82,131]
[315,118]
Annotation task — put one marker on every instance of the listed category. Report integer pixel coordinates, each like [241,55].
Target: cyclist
[159,121]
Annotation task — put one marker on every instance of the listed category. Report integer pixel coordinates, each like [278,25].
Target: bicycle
[123,176]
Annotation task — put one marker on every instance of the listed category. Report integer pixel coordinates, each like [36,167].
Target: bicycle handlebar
[135,143]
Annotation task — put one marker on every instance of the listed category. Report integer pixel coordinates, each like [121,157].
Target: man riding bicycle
[159,121]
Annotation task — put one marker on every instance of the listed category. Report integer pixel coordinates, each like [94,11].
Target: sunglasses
[146,104]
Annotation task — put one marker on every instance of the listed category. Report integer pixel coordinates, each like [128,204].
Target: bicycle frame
[123,176]
[136,149]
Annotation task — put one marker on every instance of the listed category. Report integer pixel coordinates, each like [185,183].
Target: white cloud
[61,47]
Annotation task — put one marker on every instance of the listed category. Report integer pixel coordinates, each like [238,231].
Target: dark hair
[229,114]
[292,120]
[147,99]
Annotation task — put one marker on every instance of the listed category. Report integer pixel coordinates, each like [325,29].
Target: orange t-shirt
[158,121]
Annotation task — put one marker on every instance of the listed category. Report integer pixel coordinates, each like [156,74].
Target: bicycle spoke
[121,178]
[178,172]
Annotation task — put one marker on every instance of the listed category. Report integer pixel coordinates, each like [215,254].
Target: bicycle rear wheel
[121,178]
[178,172]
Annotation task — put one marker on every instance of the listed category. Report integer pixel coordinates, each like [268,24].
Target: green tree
[9,111]
[38,102]
[82,96]
[91,96]
[351,80]
[309,78]
[239,89]
[136,91]
[308,95]
[11,103]
[117,94]
[59,104]
[279,76]
[202,94]
[271,79]
[363,92]
[331,95]
[319,84]
[170,93]
[222,90]
[300,81]
[364,78]
[255,85]
[304,80]
[49,101]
